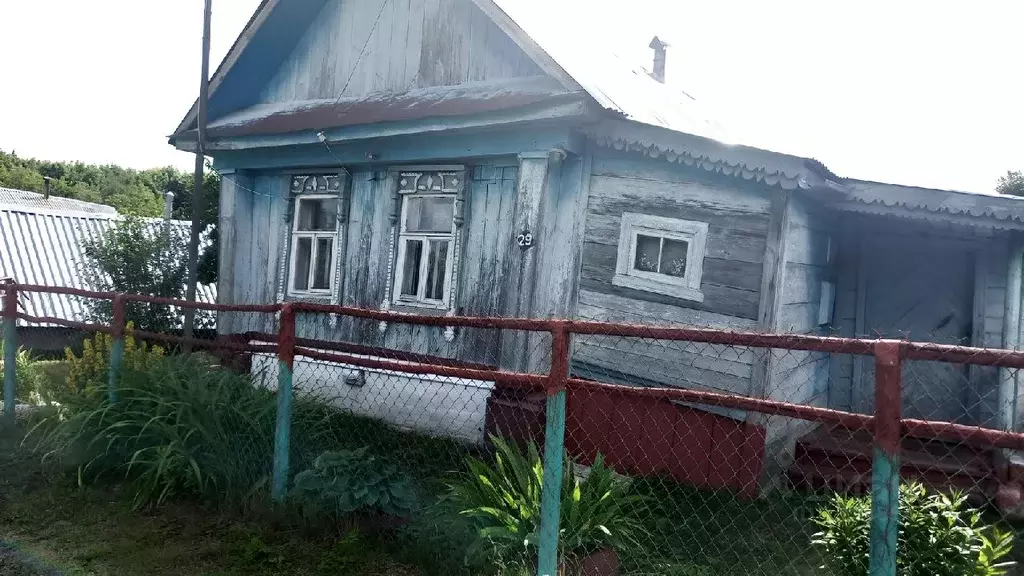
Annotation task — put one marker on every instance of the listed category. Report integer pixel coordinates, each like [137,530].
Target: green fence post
[116,349]
[10,352]
[885,471]
[282,437]
[554,453]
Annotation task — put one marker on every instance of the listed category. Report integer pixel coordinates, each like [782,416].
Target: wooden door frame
[860,400]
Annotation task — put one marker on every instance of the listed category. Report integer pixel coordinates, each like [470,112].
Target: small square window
[662,255]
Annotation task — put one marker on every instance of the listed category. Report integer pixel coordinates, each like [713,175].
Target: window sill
[312,298]
[665,288]
[406,308]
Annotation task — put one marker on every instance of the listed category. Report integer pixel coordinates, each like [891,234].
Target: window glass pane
[437,266]
[647,250]
[322,271]
[673,257]
[303,255]
[429,213]
[411,267]
[318,214]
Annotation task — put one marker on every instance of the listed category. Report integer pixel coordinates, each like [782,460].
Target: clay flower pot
[604,562]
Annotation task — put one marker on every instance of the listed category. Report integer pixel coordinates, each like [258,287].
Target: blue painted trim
[563,112]
[282,435]
[551,493]
[414,148]
[10,369]
[885,487]
[114,369]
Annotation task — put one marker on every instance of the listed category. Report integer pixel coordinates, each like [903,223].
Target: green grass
[93,530]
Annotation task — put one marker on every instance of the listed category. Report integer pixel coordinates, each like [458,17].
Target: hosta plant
[348,481]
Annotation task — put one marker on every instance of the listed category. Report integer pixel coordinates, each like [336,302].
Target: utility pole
[197,192]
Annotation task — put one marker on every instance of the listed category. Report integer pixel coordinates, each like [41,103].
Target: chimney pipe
[46,187]
[659,59]
[168,205]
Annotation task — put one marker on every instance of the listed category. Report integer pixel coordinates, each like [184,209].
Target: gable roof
[624,90]
[45,246]
[23,198]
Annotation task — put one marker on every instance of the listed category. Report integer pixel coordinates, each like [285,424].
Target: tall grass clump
[181,428]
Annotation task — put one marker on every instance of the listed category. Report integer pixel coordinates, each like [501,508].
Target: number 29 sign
[525,239]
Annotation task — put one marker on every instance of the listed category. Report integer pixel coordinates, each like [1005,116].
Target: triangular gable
[349,48]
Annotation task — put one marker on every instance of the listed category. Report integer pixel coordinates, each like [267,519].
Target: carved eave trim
[686,157]
[916,213]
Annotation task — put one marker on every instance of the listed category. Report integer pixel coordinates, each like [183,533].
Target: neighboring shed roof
[23,198]
[46,247]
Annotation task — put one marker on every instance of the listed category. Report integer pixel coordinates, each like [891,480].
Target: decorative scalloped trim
[968,212]
[719,166]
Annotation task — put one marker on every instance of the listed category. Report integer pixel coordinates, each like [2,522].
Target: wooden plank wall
[737,213]
[260,222]
[410,43]
[800,377]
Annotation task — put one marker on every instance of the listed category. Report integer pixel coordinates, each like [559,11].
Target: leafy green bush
[347,481]
[180,428]
[503,502]
[939,535]
[27,374]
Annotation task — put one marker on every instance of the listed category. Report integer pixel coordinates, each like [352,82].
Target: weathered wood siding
[260,222]
[408,43]
[738,216]
[796,376]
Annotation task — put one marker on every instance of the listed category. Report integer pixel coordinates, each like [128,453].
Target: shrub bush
[180,428]
[939,535]
[87,374]
[347,481]
[503,502]
[26,373]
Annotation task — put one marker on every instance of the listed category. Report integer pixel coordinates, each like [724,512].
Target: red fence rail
[886,424]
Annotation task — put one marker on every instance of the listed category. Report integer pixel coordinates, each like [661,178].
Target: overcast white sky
[929,93]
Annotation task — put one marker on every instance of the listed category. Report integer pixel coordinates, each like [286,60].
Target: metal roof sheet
[614,83]
[24,198]
[46,247]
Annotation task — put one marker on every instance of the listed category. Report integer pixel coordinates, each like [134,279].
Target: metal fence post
[10,352]
[554,452]
[885,472]
[116,349]
[282,437]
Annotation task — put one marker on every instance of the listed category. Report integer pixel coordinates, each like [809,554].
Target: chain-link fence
[552,446]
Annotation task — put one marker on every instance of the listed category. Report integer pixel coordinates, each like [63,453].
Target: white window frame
[315,236]
[419,300]
[694,233]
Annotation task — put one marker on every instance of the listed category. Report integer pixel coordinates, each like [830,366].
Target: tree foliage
[131,192]
[139,256]
[1012,183]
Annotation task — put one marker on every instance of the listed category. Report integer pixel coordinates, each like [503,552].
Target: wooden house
[443,157]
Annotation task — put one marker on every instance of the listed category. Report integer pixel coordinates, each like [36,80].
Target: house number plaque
[525,239]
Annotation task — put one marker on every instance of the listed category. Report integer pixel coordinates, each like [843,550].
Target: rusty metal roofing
[26,199]
[46,247]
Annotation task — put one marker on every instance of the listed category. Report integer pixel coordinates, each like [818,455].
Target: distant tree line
[131,192]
